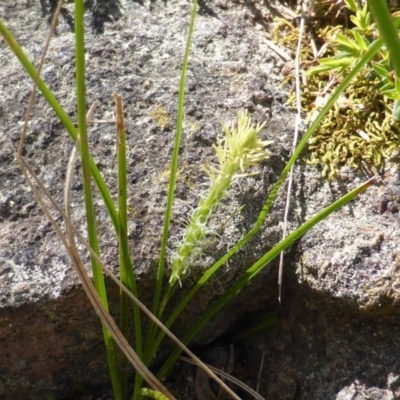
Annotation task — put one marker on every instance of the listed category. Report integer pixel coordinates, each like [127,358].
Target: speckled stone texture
[135,49]
[337,333]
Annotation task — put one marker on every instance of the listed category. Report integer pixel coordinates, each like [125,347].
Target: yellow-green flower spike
[240,149]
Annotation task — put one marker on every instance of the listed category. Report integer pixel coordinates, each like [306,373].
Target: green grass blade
[387,28]
[150,350]
[174,163]
[259,265]
[98,276]
[127,275]
[62,115]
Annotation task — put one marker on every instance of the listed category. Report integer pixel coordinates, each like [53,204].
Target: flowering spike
[239,150]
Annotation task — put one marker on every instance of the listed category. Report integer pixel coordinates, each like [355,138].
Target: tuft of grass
[239,150]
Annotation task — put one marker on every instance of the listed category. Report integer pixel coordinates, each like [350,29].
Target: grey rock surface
[354,254]
[338,323]
[139,55]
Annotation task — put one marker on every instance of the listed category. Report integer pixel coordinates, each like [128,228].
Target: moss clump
[360,129]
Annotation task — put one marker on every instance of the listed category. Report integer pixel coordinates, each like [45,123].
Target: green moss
[359,131]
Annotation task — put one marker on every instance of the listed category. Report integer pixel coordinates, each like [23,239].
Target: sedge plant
[240,150]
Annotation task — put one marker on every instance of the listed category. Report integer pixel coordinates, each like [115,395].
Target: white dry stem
[39,70]
[294,144]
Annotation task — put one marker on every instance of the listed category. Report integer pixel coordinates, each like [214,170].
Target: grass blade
[150,349]
[387,28]
[62,115]
[98,276]
[126,266]
[259,265]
